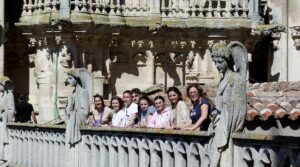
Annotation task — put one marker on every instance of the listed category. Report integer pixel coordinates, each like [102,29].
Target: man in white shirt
[131,109]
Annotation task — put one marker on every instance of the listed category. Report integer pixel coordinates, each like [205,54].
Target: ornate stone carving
[230,101]
[296,36]
[190,62]
[7,109]
[78,103]
[77,110]
[275,33]
[65,57]
[140,59]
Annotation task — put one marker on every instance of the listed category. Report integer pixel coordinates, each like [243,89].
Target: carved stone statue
[78,103]
[230,113]
[7,110]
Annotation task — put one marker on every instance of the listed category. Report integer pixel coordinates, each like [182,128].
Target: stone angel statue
[230,101]
[78,103]
[7,111]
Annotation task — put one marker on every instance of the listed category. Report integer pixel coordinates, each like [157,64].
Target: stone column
[2,33]
[150,66]
[43,77]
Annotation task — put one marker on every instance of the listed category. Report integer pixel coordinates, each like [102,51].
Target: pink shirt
[162,119]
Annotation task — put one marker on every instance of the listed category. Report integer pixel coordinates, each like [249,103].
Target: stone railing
[137,12]
[44,146]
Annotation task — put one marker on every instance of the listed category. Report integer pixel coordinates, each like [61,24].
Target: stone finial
[296,36]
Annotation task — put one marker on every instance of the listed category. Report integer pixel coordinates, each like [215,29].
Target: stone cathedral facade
[141,43]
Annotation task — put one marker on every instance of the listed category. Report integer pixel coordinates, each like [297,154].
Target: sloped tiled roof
[278,99]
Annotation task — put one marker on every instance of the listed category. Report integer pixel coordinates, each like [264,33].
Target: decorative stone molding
[65,57]
[140,59]
[275,33]
[296,36]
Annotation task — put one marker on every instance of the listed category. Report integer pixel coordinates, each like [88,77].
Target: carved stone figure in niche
[42,62]
[65,57]
[230,113]
[7,109]
[140,58]
[190,61]
[78,103]
[113,58]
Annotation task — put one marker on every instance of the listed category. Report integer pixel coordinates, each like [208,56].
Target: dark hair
[119,99]
[101,98]
[159,97]
[127,91]
[147,99]
[22,97]
[200,90]
[176,90]
[136,91]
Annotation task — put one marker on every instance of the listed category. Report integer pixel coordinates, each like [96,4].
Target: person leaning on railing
[161,118]
[146,111]
[119,116]
[24,111]
[200,112]
[180,111]
[100,115]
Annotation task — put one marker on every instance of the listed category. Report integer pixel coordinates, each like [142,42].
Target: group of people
[136,110]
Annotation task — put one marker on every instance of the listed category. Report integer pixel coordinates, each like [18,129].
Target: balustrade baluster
[201,8]
[133,154]
[76,4]
[35,7]
[26,149]
[113,153]
[217,11]
[112,8]
[30,6]
[209,9]
[24,9]
[47,5]
[228,9]
[84,6]
[63,151]
[97,6]
[37,153]
[128,8]
[30,151]
[245,8]
[118,10]
[40,6]
[156,154]
[163,8]
[54,5]
[236,10]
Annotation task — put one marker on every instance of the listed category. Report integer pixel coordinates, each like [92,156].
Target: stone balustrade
[44,146]
[138,12]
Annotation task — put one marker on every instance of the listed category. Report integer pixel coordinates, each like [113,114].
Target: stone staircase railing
[136,12]
[44,146]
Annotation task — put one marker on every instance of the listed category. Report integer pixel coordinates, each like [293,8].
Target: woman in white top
[119,117]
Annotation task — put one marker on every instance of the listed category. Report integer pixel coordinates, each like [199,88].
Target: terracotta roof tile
[251,113]
[294,114]
[273,98]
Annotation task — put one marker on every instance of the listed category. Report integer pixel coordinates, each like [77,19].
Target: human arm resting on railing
[204,114]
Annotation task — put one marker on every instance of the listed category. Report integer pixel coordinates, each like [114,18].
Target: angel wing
[87,81]
[240,57]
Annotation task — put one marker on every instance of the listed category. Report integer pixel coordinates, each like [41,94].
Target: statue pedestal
[46,106]
[98,84]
